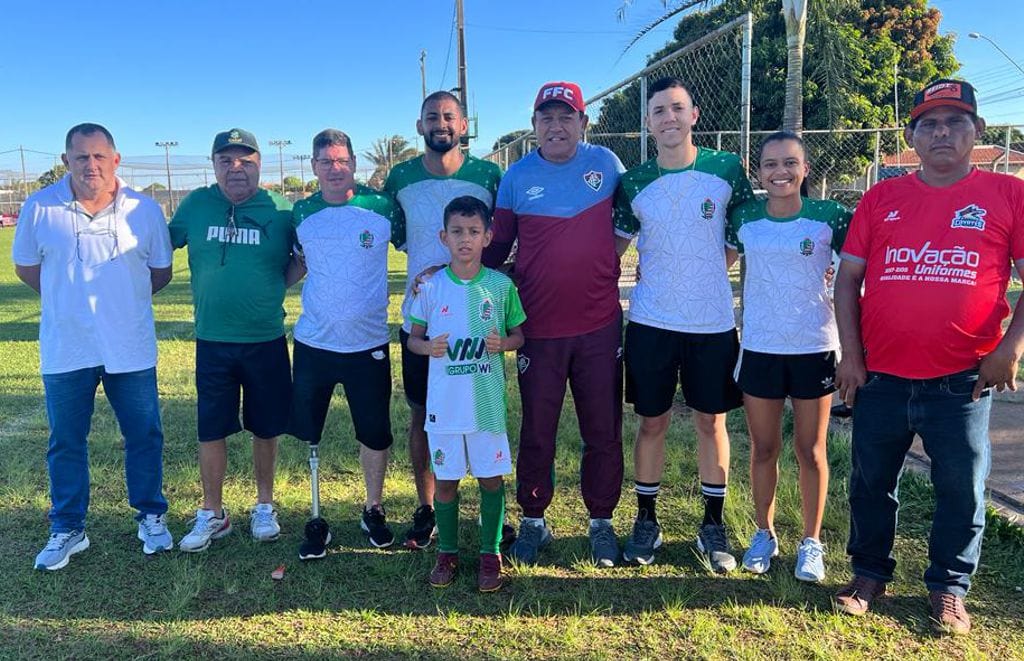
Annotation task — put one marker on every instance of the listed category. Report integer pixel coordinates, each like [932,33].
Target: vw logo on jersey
[594,179]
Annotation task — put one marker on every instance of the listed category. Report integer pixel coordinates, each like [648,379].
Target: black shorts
[702,363]
[366,377]
[777,376]
[414,373]
[226,370]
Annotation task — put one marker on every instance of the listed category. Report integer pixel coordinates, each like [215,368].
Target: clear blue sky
[183,71]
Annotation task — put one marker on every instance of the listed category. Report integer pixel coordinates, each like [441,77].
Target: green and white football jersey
[345,296]
[786,306]
[466,386]
[423,197]
[680,217]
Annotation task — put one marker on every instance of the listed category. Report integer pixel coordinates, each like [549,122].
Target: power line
[448,57]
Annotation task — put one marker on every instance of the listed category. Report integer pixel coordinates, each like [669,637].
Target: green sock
[446,516]
[492,515]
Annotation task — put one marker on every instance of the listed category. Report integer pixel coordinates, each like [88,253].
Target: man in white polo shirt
[96,251]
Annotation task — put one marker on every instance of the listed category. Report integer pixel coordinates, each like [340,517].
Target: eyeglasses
[329,163]
[89,230]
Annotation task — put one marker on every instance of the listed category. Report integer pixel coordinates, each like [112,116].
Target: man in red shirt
[923,346]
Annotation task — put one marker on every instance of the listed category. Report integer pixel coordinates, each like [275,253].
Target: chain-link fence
[166,177]
[717,66]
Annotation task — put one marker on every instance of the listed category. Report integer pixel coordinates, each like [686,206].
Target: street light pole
[167,144]
[978,35]
[301,158]
[281,144]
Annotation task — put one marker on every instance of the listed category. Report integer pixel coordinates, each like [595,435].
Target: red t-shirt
[937,265]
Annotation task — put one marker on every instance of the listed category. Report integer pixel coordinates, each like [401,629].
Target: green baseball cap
[235,138]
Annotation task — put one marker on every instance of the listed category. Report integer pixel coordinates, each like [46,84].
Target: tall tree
[52,175]
[852,55]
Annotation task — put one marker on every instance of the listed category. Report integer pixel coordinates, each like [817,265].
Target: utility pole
[423,72]
[281,144]
[167,144]
[460,22]
[24,176]
[302,171]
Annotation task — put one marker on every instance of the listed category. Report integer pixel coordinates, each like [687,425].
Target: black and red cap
[945,92]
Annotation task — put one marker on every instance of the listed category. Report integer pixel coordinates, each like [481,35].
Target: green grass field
[112,602]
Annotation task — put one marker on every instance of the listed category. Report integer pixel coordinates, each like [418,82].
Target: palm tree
[388,152]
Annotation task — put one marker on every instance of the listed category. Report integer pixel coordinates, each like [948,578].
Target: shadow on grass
[113,581]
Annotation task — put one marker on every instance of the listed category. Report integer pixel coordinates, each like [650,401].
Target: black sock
[646,500]
[714,502]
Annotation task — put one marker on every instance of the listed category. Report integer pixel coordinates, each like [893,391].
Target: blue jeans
[887,412]
[70,399]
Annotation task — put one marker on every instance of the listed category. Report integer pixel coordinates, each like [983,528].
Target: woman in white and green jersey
[789,341]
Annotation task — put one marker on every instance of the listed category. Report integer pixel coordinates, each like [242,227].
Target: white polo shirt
[96,291]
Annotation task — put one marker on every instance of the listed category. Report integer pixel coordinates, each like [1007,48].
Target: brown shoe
[445,569]
[949,614]
[490,578]
[856,597]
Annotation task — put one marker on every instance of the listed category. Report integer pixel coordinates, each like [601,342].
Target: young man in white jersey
[473,315]
[422,187]
[682,326]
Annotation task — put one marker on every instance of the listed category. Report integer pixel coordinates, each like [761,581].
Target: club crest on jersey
[971,217]
[486,310]
[707,209]
[438,457]
[366,239]
[594,179]
[523,363]
[807,247]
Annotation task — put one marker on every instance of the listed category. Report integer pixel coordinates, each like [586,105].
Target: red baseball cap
[945,92]
[567,93]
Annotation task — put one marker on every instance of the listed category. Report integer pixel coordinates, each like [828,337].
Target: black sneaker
[374,524]
[318,536]
[644,541]
[712,542]
[423,530]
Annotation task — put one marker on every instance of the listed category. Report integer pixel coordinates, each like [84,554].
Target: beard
[435,144]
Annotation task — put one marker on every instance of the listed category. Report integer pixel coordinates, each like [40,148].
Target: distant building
[984,157]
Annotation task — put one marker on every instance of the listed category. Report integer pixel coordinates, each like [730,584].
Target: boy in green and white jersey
[473,315]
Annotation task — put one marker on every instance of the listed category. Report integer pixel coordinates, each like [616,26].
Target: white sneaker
[810,560]
[59,549]
[206,528]
[763,547]
[263,523]
[154,535]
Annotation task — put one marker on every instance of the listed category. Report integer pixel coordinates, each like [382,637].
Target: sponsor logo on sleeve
[594,179]
[970,217]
